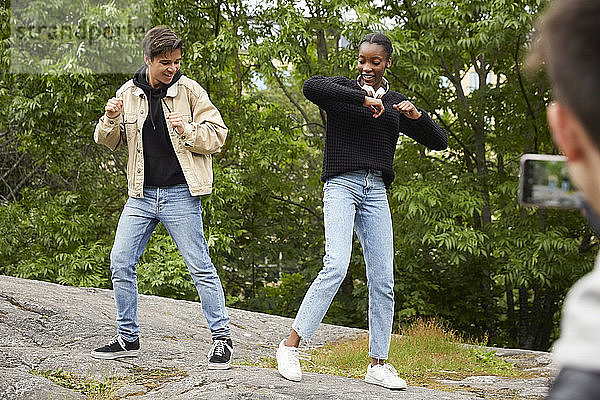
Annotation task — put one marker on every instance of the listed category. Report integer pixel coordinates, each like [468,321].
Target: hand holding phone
[544,182]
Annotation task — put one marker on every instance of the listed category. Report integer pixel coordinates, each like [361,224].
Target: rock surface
[48,330]
[538,365]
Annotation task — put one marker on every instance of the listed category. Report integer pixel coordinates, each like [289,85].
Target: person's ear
[566,131]
[388,63]
[146,59]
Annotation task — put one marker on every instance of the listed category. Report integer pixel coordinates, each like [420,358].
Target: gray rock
[538,364]
[48,328]
[18,384]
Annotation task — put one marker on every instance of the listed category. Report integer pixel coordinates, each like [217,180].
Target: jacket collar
[171,91]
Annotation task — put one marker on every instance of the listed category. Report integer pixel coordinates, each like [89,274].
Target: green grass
[95,389]
[426,351]
[91,388]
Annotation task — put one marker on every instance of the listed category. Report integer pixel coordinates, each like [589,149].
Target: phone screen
[544,182]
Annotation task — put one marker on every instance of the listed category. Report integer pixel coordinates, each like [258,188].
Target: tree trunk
[545,323]
[510,310]
[525,339]
[322,55]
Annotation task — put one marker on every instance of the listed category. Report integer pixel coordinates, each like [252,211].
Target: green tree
[493,266]
[57,189]
[465,250]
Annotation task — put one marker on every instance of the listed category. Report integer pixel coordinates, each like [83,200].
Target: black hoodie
[161,167]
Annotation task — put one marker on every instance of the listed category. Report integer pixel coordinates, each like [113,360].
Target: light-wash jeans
[181,214]
[355,200]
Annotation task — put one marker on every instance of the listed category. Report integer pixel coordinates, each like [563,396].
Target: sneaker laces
[299,354]
[217,348]
[390,368]
[117,339]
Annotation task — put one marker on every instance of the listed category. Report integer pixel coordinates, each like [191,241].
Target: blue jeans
[181,214]
[356,200]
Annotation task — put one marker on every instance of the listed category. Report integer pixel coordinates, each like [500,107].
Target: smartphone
[544,182]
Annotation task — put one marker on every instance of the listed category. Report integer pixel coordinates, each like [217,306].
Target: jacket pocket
[131,125]
[201,166]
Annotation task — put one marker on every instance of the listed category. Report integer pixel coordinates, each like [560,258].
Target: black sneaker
[220,354]
[117,348]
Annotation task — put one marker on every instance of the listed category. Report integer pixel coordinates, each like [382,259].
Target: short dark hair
[380,39]
[569,45]
[160,40]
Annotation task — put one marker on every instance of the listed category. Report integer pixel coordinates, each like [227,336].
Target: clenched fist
[407,108]
[176,121]
[113,107]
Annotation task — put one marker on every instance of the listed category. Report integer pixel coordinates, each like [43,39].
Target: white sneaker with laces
[288,361]
[384,375]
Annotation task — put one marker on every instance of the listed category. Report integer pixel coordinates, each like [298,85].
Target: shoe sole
[293,379]
[109,356]
[219,366]
[379,383]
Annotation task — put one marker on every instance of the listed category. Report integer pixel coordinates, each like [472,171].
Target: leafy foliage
[465,250]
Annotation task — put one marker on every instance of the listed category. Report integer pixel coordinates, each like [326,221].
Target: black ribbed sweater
[355,140]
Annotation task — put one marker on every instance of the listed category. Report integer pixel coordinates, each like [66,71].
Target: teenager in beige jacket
[171,128]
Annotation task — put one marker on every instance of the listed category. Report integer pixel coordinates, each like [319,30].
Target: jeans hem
[306,338]
[128,338]
[377,357]
[217,335]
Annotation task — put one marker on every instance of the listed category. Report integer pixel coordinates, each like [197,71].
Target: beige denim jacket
[204,133]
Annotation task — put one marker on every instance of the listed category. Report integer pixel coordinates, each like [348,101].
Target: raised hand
[113,107]
[176,121]
[407,108]
[375,105]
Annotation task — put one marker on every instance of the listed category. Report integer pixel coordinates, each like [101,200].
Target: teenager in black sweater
[364,120]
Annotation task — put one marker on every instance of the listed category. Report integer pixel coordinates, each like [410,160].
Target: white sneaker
[288,361]
[384,375]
